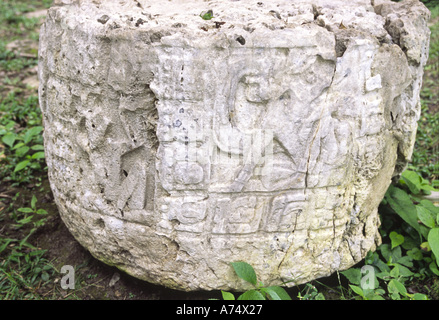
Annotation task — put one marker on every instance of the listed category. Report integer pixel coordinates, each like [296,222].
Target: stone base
[268,134]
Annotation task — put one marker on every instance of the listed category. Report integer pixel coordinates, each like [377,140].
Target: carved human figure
[263,100]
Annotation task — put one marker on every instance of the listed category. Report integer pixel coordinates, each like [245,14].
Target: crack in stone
[310,149]
[291,245]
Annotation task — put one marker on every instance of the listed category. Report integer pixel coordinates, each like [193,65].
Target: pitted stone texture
[269,134]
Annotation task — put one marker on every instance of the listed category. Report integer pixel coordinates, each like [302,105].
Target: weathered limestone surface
[268,134]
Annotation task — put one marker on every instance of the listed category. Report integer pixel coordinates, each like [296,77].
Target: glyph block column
[267,134]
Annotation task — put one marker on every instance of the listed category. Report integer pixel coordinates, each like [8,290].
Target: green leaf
[420,296]
[35,165]
[207,15]
[433,241]
[9,139]
[25,210]
[429,205]
[385,275]
[385,251]
[18,145]
[25,220]
[425,246]
[47,267]
[42,211]
[427,218]
[227,295]
[5,244]
[409,242]
[38,155]
[270,293]
[10,125]
[245,271]
[251,295]
[33,202]
[32,132]
[395,271]
[433,268]
[396,239]
[357,290]
[413,181]
[404,271]
[21,165]
[319,296]
[353,275]
[37,147]
[374,260]
[396,286]
[427,188]
[375,296]
[415,254]
[276,293]
[396,254]
[401,203]
[406,261]
[20,152]
[45,276]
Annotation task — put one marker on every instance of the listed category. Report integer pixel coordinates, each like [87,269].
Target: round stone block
[181,136]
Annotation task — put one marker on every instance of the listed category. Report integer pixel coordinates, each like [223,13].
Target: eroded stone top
[227,14]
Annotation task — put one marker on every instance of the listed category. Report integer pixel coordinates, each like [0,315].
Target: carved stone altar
[267,134]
